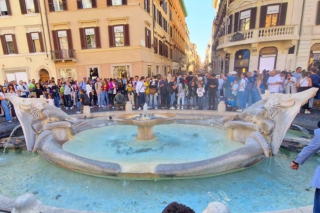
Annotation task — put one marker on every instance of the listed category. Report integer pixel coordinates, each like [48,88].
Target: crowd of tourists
[202,92]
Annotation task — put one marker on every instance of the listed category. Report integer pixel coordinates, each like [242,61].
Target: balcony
[64,55]
[279,33]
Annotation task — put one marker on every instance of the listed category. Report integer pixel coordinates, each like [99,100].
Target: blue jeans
[316,207]
[79,104]
[56,101]
[105,98]
[141,99]
[192,101]
[257,96]
[201,100]
[242,99]
[153,98]
[6,109]
[172,98]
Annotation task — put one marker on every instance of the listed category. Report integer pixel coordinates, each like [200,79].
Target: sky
[199,21]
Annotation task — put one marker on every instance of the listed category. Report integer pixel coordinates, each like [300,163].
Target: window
[29,6]
[318,14]
[66,73]
[154,13]
[150,73]
[57,5]
[116,2]
[163,4]
[9,44]
[35,42]
[62,39]
[147,5]
[86,4]
[119,36]
[5,8]
[155,41]
[170,15]
[148,38]
[159,18]
[245,20]
[272,16]
[90,38]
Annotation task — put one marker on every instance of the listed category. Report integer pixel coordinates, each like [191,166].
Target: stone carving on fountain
[268,119]
[261,128]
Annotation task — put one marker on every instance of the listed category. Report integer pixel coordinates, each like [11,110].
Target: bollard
[221,106]
[128,107]
[86,111]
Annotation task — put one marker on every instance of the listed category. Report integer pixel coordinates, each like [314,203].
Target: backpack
[119,98]
[249,85]
[187,90]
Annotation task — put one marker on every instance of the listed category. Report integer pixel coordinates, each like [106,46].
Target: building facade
[116,38]
[91,38]
[24,53]
[266,34]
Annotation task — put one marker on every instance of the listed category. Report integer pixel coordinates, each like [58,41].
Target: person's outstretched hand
[294,166]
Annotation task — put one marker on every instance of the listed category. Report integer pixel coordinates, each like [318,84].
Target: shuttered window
[155,45]
[119,36]
[62,39]
[57,5]
[154,11]
[318,14]
[5,8]
[229,25]
[253,18]
[236,22]
[9,44]
[29,6]
[116,2]
[273,15]
[35,42]
[148,38]
[147,5]
[90,38]
[86,4]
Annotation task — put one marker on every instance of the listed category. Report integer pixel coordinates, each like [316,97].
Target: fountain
[243,139]
[145,122]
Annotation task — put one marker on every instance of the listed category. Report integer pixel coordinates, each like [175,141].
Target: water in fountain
[303,130]
[145,110]
[9,138]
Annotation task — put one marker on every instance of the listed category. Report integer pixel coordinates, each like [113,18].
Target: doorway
[44,75]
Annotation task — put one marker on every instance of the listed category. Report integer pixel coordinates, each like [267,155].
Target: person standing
[303,84]
[290,84]
[98,87]
[181,93]
[4,104]
[212,86]
[67,95]
[55,94]
[105,94]
[130,91]
[172,91]
[315,79]
[141,92]
[242,94]
[147,85]
[22,90]
[305,154]
[297,73]
[135,82]
[153,102]
[274,82]
[163,85]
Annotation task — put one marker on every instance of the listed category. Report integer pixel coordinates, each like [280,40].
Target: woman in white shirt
[4,104]
[89,92]
[303,84]
[290,84]
[181,93]
[242,94]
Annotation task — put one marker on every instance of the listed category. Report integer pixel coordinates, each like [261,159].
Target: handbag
[153,91]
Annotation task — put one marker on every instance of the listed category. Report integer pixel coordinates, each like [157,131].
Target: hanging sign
[8,38]
[89,31]
[245,14]
[62,34]
[118,29]
[273,9]
[34,36]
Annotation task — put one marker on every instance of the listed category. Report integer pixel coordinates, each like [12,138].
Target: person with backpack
[84,100]
[119,100]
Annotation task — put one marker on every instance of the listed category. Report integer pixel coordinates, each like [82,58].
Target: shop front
[268,58]
[118,71]
[314,59]
[241,61]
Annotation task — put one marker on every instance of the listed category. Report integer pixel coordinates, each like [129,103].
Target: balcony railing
[259,35]
[64,55]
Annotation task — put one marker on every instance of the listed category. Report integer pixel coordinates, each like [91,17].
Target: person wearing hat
[307,152]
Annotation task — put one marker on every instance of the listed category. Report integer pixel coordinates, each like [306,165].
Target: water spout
[145,110]
[10,136]
[303,130]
